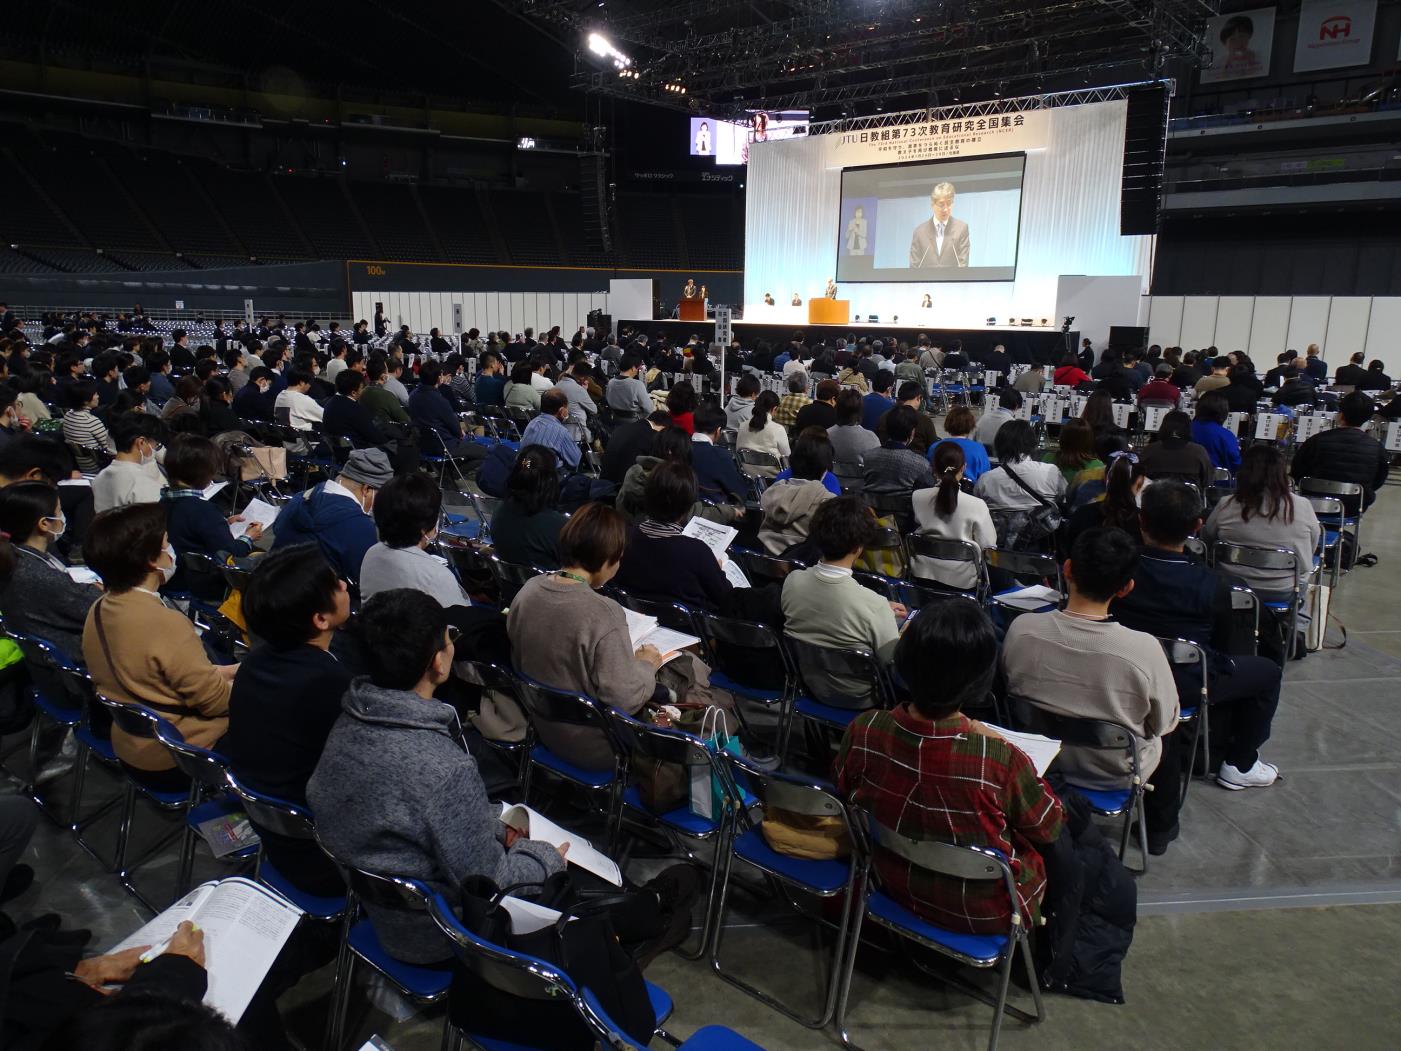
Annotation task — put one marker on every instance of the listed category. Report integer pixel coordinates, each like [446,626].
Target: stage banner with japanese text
[1012,132]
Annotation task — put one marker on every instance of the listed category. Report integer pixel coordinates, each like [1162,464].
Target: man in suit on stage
[942,240]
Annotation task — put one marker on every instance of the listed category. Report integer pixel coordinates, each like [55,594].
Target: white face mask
[62,525]
[168,571]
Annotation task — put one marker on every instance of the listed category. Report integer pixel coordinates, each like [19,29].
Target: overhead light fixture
[601,46]
[525,143]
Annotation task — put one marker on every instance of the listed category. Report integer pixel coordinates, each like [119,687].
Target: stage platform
[1024,344]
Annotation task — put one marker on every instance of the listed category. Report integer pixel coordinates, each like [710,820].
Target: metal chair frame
[858,663]
[1252,556]
[1184,652]
[923,545]
[1342,491]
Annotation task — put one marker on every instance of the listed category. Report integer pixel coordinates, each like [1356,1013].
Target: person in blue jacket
[1209,431]
[193,523]
[335,515]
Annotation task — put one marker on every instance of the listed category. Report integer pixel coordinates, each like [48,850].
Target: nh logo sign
[1335,27]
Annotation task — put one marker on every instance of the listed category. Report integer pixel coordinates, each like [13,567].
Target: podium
[829,311]
[692,310]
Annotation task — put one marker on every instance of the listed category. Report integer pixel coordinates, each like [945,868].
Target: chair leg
[1003,980]
[847,965]
[32,787]
[340,1003]
[187,862]
[1033,979]
[124,832]
[451,1037]
[1142,832]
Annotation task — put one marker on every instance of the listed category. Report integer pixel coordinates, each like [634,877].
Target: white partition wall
[1266,326]
[488,311]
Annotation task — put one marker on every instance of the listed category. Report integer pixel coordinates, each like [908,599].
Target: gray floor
[1269,924]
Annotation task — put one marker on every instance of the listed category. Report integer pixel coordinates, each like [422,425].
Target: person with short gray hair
[941,240]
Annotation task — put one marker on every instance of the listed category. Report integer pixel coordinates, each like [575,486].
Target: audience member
[1209,431]
[1297,390]
[1346,453]
[303,413]
[960,424]
[1019,485]
[548,429]
[193,523]
[1032,381]
[681,402]
[1081,662]
[40,598]
[946,512]
[878,402]
[378,397]
[1173,454]
[1117,506]
[895,468]
[1075,450]
[630,441]
[407,512]
[137,649]
[490,385]
[850,440]
[335,514]
[255,400]
[626,394]
[525,528]
[716,474]
[822,410]
[925,434]
[789,503]
[926,771]
[1008,401]
[82,430]
[761,432]
[133,476]
[1264,512]
[1160,388]
[792,404]
[287,696]
[1218,377]
[1069,374]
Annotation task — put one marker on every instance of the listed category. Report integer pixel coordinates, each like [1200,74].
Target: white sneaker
[1261,775]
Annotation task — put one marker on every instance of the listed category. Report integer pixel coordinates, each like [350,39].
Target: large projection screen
[956,220]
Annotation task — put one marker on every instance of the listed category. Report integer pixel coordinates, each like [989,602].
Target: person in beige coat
[138,649]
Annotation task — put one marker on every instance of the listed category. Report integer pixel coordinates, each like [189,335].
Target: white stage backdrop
[1069,216]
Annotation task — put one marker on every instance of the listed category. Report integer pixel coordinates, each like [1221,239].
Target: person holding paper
[926,771]
[436,824]
[566,635]
[41,598]
[193,522]
[133,476]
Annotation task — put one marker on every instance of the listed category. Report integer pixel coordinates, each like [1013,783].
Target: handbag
[1041,521]
[582,943]
[708,793]
[816,837]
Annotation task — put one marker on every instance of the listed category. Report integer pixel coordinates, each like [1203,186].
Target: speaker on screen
[1145,148]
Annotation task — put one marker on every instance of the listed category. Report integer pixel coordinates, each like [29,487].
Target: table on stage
[829,311]
[692,310]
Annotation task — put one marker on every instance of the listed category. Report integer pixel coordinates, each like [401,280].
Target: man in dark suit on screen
[942,240]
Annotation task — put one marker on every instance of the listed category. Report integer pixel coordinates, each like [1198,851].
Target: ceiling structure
[845,57]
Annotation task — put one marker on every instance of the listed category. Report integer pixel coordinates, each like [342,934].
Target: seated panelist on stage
[797,300]
[942,240]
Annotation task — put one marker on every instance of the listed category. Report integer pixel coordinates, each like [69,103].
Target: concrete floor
[1271,923]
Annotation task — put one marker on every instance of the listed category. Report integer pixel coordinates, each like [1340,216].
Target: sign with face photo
[1240,44]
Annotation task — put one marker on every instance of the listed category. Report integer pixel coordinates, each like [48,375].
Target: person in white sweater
[949,514]
[762,433]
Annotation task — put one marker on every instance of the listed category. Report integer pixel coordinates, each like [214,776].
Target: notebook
[645,631]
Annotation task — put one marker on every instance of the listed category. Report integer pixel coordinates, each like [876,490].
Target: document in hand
[718,538]
[533,826]
[1040,750]
[645,631]
[245,926]
[1034,598]
[212,490]
[259,511]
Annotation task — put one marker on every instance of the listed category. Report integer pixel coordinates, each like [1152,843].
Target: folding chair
[851,474]
[1024,564]
[886,549]
[1242,598]
[828,880]
[735,648]
[1279,559]
[761,466]
[140,722]
[488,676]
[1104,735]
[1329,509]
[209,798]
[666,745]
[762,568]
[1348,519]
[1182,653]
[422,984]
[983,951]
[547,704]
[674,615]
[898,506]
[511,577]
[829,695]
[54,678]
[923,545]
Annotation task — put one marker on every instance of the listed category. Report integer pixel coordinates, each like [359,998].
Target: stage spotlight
[603,48]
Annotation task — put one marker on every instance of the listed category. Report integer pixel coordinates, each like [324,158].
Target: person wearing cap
[335,515]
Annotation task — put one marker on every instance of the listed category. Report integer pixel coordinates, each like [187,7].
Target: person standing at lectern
[831,291]
[690,291]
[797,301]
[942,240]
[768,299]
[925,303]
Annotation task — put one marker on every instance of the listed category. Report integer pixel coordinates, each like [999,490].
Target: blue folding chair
[1346,519]
[665,745]
[1103,735]
[1182,653]
[610,1035]
[57,683]
[983,951]
[1226,556]
[836,685]
[488,676]
[735,647]
[828,880]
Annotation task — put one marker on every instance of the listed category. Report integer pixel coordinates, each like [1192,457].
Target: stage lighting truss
[723,57]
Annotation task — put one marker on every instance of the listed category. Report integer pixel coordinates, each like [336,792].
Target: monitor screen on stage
[956,220]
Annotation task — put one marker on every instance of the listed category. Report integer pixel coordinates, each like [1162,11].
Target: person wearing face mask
[12,421]
[406,515]
[138,649]
[335,515]
[255,400]
[41,598]
[193,523]
[133,476]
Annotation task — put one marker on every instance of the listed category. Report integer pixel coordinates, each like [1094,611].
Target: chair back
[763,568]
[1183,653]
[511,577]
[562,706]
[1251,556]
[1328,487]
[948,859]
[898,505]
[925,545]
[508,972]
[202,766]
[50,669]
[609,1033]
[758,458]
[135,720]
[277,816]
[1324,506]
[1103,734]
[485,674]
[282,414]
[1025,564]
[391,893]
[673,615]
[788,791]
[664,744]
[753,640]
[851,474]
[828,675]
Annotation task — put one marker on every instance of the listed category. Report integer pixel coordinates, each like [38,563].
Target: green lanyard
[572,576]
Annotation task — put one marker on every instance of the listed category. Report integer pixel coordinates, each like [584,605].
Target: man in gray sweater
[396,790]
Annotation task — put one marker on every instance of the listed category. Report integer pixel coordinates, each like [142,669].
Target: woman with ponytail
[763,433]
[949,513]
[1124,480]
[40,597]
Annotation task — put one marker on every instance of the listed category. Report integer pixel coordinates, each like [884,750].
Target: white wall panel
[1269,328]
[1382,331]
[1347,328]
[521,315]
[1233,318]
[1198,322]
[1165,320]
[1308,322]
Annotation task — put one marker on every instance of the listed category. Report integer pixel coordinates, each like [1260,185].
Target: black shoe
[1158,844]
[16,883]
[676,889]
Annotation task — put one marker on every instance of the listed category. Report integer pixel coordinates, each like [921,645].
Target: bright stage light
[601,46]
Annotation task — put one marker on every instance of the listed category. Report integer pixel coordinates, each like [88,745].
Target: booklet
[213,490]
[1033,598]
[228,833]
[84,575]
[259,511]
[645,631]
[245,926]
[1040,750]
[532,825]
[718,538]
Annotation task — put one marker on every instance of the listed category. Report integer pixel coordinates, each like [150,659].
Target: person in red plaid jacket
[926,771]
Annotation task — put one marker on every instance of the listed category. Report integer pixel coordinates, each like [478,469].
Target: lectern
[829,311]
[692,310]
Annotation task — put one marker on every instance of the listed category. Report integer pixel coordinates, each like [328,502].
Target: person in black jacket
[716,473]
[255,400]
[344,417]
[1346,453]
[1296,390]
[287,695]
[1244,390]
[628,442]
[216,407]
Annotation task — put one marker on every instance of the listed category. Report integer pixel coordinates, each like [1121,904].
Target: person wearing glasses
[406,513]
[133,476]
